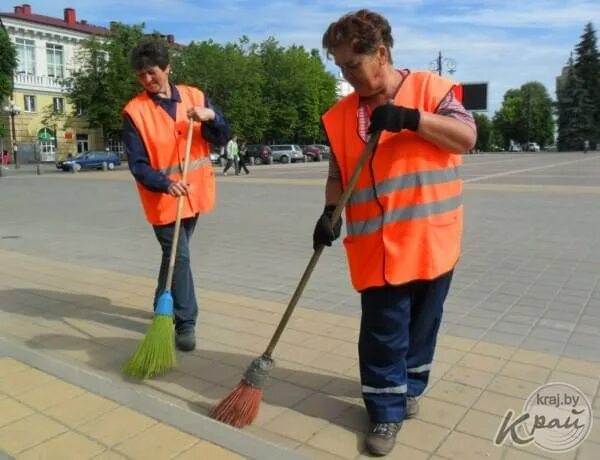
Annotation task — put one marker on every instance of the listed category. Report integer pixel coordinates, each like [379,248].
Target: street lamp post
[441,62]
[13,110]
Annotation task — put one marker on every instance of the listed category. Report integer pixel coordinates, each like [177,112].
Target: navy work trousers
[185,305]
[398,332]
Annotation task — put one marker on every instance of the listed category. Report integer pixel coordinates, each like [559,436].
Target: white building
[46,50]
[342,87]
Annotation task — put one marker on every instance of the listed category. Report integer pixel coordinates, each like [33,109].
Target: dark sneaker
[185,340]
[381,438]
[412,407]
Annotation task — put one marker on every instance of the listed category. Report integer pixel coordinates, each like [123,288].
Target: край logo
[557,417]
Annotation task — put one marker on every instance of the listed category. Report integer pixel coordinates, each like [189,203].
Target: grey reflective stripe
[419,369]
[177,168]
[405,181]
[363,227]
[400,389]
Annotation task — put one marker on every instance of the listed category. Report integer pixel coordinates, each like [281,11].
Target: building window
[26,56]
[29,103]
[115,144]
[54,57]
[78,109]
[58,104]
[82,143]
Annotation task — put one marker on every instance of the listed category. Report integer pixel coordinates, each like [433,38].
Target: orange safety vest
[404,217]
[164,139]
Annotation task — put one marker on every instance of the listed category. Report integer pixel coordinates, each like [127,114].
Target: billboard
[475,96]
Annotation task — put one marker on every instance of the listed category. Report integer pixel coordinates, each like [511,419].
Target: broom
[240,407]
[155,355]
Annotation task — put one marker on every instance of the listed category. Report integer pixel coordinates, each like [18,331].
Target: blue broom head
[164,306]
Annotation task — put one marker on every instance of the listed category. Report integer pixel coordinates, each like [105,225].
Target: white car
[284,153]
[533,147]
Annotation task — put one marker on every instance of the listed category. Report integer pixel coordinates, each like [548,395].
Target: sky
[505,43]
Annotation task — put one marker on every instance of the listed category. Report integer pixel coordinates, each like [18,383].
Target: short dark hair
[362,30]
[150,53]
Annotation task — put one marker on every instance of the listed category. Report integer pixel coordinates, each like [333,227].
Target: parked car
[216,158]
[95,159]
[284,153]
[314,152]
[260,152]
[325,149]
[533,147]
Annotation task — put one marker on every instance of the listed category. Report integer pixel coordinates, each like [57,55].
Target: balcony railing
[37,82]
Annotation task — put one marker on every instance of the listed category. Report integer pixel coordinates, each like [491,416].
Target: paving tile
[158,442]
[448,355]
[580,367]
[588,451]
[422,435]
[324,407]
[440,412]
[466,447]
[526,372]
[544,346]
[109,455]
[62,447]
[116,426]
[467,376]
[454,392]
[585,384]
[402,452]
[494,403]
[510,386]
[492,349]
[482,362]
[503,338]
[12,410]
[11,366]
[338,441]
[458,343]
[27,432]
[20,382]
[296,425]
[481,424]
[522,455]
[473,333]
[207,450]
[55,392]
[80,409]
[311,452]
[286,394]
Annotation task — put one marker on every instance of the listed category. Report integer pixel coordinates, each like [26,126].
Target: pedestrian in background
[243,158]
[232,155]
[403,219]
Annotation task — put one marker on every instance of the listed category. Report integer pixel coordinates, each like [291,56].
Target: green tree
[526,115]
[575,111]
[103,81]
[587,70]
[484,132]
[8,65]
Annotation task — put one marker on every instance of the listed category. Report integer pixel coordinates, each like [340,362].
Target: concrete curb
[195,424]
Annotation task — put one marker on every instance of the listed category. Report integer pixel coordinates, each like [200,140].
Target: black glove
[325,233]
[394,118]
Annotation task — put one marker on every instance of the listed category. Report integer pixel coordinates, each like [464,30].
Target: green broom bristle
[156,354]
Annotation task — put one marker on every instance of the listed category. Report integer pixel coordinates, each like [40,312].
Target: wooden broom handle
[180,200]
[369,148]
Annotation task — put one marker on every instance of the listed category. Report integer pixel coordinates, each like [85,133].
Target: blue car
[95,159]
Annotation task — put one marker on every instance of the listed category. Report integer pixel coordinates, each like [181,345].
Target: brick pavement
[312,405]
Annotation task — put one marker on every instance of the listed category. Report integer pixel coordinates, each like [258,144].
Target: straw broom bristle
[240,407]
[155,355]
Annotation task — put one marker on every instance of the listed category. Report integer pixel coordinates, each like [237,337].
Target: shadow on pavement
[201,378]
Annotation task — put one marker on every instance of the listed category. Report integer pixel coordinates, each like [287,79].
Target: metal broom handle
[175,243]
[369,148]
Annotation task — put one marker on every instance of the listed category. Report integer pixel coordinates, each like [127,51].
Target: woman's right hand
[178,188]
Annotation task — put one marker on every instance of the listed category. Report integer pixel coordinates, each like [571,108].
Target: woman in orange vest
[404,217]
[154,135]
